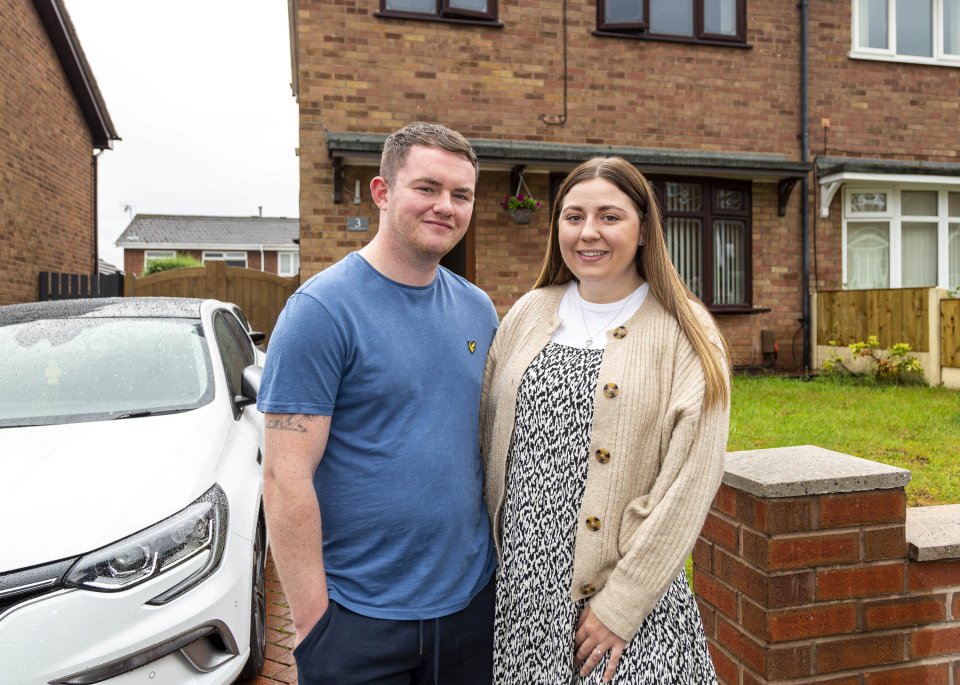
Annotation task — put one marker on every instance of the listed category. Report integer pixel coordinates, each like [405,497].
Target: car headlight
[201,528]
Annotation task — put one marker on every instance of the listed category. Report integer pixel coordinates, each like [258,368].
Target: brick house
[52,118]
[706,98]
[261,243]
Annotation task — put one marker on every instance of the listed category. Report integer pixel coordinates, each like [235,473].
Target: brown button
[588,589]
[593,523]
[602,456]
[620,332]
[611,390]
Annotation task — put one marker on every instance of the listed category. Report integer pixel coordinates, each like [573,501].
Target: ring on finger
[598,651]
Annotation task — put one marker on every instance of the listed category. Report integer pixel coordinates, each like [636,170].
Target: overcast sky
[199,92]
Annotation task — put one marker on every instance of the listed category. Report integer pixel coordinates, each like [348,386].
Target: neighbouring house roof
[365,149]
[66,44]
[106,268]
[165,231]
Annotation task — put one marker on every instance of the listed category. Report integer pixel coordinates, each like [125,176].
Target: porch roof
[363,149]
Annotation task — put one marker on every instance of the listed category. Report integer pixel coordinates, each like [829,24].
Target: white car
[132,537]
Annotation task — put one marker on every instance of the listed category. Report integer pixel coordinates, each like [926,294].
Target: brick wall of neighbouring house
[365,74]
[878,110]
[46,177]
[819,589]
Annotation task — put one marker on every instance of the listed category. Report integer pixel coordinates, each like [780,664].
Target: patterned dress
[535,617]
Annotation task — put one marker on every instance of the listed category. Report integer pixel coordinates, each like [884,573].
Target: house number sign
[357,223]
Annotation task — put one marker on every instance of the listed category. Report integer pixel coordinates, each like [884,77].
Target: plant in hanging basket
[521,207]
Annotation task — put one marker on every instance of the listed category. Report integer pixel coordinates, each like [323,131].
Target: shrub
[868,359]
[168,263]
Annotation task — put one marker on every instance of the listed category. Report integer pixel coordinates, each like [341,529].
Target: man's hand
[592,641]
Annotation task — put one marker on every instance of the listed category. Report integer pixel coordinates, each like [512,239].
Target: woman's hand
[592,641]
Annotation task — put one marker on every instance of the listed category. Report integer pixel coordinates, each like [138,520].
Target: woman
[605,411]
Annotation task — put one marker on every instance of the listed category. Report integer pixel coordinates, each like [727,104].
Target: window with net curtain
[707,232]
[923,232]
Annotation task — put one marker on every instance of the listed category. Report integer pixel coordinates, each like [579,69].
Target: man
[372,391]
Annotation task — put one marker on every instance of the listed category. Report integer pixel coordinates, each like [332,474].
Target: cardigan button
[602,456]
[611,390]
[588,589]
[593,523]
[620,332]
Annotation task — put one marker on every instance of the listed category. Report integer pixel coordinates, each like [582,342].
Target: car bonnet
[72,488]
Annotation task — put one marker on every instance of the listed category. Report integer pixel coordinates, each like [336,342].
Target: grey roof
[833,165]
[248,232]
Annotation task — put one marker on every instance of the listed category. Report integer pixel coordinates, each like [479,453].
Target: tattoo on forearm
[291,422]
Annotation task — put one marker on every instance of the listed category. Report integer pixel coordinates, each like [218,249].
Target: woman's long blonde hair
[653,264]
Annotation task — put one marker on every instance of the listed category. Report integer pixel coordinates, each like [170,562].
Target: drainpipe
[805,157]
[262,268]
[95,278]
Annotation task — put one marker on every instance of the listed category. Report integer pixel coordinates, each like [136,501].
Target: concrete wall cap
[933,532]
[807,470]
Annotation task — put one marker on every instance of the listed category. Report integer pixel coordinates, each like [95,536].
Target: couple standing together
[603,403]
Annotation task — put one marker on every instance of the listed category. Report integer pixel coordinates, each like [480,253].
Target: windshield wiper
[146,412]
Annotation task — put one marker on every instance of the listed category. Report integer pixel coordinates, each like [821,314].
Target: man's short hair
[398,144]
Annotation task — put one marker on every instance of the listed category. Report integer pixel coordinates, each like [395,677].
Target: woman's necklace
[603,328]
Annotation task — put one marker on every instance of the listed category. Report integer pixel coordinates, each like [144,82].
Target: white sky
[199,92]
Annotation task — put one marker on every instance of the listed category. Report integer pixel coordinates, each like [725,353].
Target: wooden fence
[950,333]
[260,295]
[894,316]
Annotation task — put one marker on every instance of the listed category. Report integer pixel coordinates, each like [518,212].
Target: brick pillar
[802,576]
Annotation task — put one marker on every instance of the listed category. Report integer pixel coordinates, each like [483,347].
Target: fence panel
[260,295]
[950,333]
[62,286]
[894,316]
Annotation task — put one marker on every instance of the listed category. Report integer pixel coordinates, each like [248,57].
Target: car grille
[25,584]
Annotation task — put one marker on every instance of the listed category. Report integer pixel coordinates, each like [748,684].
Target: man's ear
[378,191]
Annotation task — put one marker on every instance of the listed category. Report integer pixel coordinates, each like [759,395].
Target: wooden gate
[260,295]
[950,333]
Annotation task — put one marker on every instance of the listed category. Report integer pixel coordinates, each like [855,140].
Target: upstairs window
[446,10]
[687,20]
[922,31]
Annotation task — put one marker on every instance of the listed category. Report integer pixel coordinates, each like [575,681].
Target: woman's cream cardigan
[656,457]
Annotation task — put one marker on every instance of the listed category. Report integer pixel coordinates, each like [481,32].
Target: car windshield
[89,369]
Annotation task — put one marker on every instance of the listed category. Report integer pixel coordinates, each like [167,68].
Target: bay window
[901,236]
[707,229]
[924,31]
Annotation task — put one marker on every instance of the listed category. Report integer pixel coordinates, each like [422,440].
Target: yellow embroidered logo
[472,346]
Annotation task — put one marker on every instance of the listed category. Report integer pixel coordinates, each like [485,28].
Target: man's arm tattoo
[290,422]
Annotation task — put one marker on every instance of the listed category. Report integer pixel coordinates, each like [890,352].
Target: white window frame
[296,258]
[896,219]
[224,256]
[153,255]
[890,53]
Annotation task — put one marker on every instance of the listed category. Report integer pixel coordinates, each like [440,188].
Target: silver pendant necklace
[589,342]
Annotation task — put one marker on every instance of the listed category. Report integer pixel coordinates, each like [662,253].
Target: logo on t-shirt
[472,346]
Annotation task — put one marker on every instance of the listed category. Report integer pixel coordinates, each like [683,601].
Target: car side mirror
[249,386]
[257,337]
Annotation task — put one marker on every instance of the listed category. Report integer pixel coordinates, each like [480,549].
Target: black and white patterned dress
[535,617]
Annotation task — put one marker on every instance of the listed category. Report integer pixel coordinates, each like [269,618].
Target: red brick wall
[133,260]
[819,589]
[365,74]
[46,178]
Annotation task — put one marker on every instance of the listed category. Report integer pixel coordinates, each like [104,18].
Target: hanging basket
[521,215]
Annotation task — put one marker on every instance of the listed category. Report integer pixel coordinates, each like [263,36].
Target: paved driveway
[279,667]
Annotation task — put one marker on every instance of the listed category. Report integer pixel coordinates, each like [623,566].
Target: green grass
[913,427]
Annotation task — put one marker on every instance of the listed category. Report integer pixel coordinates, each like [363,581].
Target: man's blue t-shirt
[399,368]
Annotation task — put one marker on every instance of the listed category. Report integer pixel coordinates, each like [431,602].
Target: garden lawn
[913,427]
